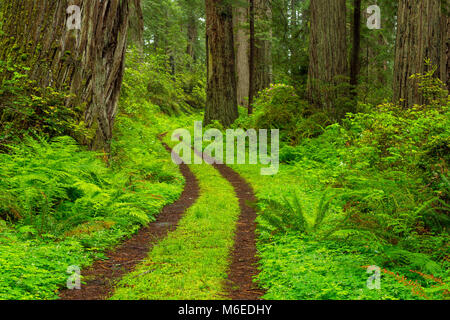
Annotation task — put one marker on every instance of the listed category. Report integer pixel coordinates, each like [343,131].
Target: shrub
[280,107]
[148,78]
[26,107]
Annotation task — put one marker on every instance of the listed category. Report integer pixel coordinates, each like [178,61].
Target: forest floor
[240,262]
[214,252]
[101,276]
[244,257]
[210,244]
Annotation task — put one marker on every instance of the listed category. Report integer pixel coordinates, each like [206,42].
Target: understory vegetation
[192,262]
[62,205]
[372,190]
[362,193]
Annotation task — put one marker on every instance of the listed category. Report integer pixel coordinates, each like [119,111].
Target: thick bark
[422,33]
[89,62]
[327,54]
[192,34]
[263,48]
[252,79]
[221,101]
[240,19]
[136,25]
[354,64]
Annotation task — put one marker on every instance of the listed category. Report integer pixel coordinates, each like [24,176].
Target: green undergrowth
[61,205]
[192,262]
[299,265]
[373,191]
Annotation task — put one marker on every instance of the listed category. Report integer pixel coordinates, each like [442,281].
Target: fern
[418,261]
[55,186]
[289,215]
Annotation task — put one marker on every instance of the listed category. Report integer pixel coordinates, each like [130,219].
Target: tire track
[244,262]
[244,258]
[102,275]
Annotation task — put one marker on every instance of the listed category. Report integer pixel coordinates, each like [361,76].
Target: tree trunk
[263,48]
[354,65]
[192,34]
[240,19]
[327,54]
[89,61]
[252,79]
[221,101]
[136,25]
[422,33]
[293,13]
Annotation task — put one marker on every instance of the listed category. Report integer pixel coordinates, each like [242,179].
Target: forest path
[243,268]
[244,260]
[103,274]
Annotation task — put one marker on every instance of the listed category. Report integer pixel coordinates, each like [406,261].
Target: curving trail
[102,275]
[244,256]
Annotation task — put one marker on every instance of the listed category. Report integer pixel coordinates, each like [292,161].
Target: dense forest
[102,102]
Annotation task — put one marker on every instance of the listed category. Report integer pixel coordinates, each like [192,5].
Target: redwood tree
[422,33]
[252,79]
[221,101]
[241,43]
[253,48]
[354,62]
[88,62]
[327,54]
[263,47]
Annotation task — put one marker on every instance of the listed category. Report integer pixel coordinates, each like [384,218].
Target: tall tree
[263,47]
[354,64]
[88,62]
[241,33]
[193,11]
[252,78]
[327,54]
[192,34]
[422,33]
[221,102]
[290,27]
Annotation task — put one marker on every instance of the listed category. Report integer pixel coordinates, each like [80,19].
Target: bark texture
[87,62]
[354,64]
[192,35]
[327,53]
[263,48]
[252,79]
[240,20]
[422,33]
[221,101]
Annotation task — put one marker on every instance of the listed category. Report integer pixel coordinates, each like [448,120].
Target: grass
[296,266]
[192,262]
[72,206]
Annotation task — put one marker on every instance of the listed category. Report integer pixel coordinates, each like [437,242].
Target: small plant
[289,215]
[431,87]
[28,107]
